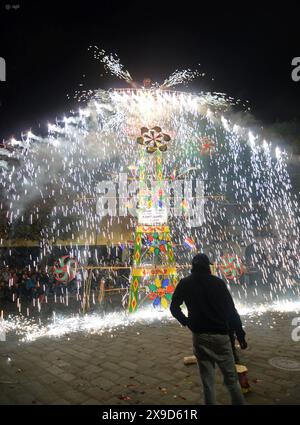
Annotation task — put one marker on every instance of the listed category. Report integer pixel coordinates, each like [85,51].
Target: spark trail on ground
[29,329]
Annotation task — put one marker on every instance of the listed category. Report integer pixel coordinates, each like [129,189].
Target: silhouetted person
[211,317]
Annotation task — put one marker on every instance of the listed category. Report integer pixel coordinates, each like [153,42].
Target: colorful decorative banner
[189,243]
[152,233]
[153,229]
[154,271]
[134,293]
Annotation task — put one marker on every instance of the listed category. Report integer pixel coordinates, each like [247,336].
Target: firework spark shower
[149,208]
[58,326]
[50,183]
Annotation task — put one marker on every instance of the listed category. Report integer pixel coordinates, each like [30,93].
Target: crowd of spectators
[27,284]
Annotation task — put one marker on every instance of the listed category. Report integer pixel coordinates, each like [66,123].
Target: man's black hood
[199,269]
[201,263]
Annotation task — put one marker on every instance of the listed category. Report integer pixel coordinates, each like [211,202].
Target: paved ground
[142,365]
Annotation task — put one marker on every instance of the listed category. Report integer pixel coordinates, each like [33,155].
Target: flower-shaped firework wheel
[161,291]
[231,266]
[153,139]
[65,269]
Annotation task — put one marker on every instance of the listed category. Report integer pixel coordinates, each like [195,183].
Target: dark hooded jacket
[210,306]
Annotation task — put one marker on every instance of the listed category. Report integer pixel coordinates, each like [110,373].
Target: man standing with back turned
[211,314]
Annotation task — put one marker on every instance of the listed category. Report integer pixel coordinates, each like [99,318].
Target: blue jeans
[211,350]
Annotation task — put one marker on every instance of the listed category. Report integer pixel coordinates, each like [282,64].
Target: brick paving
[142,365]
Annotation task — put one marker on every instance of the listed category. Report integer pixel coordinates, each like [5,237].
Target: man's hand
[243,344]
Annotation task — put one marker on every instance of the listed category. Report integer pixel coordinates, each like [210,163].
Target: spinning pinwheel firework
[161,292]
[153,139]
[64,269]
[231,266]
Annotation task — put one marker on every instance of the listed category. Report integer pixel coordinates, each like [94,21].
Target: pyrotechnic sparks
[112,63]
[181,77]
[29,330]
[50,187]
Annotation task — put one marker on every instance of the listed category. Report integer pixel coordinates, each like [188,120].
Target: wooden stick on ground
[189,360]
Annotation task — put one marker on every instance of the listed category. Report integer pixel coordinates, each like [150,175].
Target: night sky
[248,52]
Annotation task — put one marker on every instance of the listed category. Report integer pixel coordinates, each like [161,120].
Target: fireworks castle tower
[154,270]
